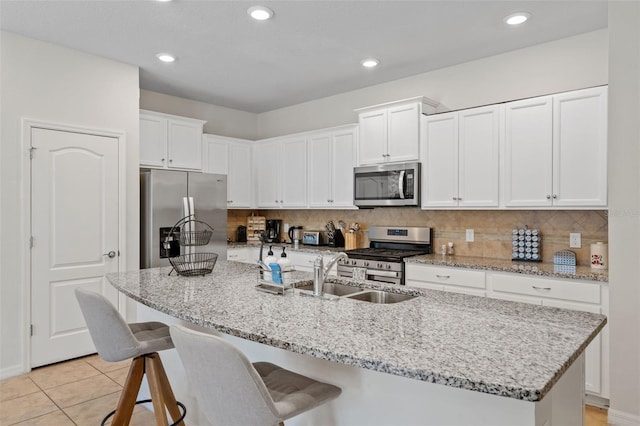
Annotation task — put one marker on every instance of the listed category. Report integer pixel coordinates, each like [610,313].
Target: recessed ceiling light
[517,18]
[369,63]
[166,57]
[260,13]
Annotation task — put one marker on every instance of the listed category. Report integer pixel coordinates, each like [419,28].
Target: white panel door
[528,153]
[74,224]
[294,172]
[440,160]
[479,157]
[320,170]
[373,137]
[343,161]
[580,148]
[239,191]
[403,132]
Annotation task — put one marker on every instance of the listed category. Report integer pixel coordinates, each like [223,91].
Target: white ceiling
[309,50]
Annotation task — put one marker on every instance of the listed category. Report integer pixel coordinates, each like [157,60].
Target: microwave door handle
[401,184]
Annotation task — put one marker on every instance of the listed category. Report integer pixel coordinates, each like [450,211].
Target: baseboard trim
[13,371]
[623,419]
[596,401]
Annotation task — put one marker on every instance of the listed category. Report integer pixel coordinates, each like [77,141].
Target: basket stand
[190,263]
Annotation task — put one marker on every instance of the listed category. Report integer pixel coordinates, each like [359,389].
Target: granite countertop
[480,344]
[533,268]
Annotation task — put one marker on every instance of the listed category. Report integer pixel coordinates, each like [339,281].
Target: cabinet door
[267,179]
[528,153]
[403,130]
[239,189]
[580,148]
[478,157]
[153,141]
[320,170]
[440,160]
[373,137]
[294,173]
[343,156]
[184,145]
[214,155]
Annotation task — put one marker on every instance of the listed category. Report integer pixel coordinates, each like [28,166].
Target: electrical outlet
[470,236]
[575,240]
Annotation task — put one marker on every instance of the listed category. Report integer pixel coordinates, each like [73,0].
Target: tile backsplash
[492,228]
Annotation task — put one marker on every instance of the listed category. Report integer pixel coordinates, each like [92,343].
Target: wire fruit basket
[193,264]
[185,234]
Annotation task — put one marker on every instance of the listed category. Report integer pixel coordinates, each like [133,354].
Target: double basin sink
[356,293]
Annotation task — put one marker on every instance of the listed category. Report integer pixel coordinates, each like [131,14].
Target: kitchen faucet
[320,272]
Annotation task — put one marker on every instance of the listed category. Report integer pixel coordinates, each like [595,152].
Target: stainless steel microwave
[395,184]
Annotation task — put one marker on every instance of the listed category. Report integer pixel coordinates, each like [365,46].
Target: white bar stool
[115,340]
[233,391]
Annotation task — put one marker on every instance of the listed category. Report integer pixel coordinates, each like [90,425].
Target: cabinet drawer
[546,288]
[447,276]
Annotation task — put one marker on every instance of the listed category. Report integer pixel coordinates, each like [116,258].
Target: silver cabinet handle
[162,159]
[541,288]
[111,254]
[555,196]
[281,201]
[548,197]
[170,160]
[444,277]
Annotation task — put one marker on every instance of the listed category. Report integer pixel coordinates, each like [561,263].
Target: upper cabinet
[231,157]
[555,151]
[170,141]
[391,132]
[460,157]
[331,160]
[281,175]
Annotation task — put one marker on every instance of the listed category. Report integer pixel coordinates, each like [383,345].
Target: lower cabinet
[560,293]
[302,261]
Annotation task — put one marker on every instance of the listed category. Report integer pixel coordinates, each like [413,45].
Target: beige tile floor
[82,391]
[77,392]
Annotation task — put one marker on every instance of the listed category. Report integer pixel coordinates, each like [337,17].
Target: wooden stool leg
[155,385]
[169,397]
[127,401]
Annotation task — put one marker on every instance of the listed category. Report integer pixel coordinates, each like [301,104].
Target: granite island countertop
[545,269]
[479,344]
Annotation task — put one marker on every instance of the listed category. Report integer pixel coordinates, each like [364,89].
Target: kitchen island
[440,358]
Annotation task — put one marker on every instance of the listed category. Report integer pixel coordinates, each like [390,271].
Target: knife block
[350,241]
[337,240]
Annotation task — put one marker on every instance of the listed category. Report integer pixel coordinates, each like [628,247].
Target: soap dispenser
[269,260]
[284,262]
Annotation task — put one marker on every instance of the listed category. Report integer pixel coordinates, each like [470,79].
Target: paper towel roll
[599,256]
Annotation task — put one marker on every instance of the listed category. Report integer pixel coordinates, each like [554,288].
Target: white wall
[50,83]
[566,64]
[220,120]
[624,210]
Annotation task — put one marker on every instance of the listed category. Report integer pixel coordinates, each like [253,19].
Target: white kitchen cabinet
[391,132]
[281,174]
[238,254]
[231,157]
[170,142]
[555,151]
[330,168]
[455,280]
[565,294]
[460,156]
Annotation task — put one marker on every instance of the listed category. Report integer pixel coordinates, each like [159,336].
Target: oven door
[387,185]
[391,277]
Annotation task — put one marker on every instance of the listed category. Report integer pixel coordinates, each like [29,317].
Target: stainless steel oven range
[384,259]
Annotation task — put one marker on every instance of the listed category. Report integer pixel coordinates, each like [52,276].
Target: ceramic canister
[599,257]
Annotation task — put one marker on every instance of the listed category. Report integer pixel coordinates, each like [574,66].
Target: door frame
[27,124]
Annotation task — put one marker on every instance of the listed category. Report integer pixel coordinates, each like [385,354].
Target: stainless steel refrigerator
[166,197]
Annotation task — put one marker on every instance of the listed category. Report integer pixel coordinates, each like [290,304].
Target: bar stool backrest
[110,333]
[230,390]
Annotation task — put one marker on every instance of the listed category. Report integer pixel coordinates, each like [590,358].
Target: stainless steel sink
[334,289]
[377,296]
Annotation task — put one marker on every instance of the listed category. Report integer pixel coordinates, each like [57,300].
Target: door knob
[111,254]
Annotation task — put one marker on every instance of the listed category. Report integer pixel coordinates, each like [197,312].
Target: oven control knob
[353,262]
[388,266]
[380,265]
[366,263]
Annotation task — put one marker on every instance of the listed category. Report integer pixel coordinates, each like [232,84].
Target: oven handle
[390,274]
[401,184]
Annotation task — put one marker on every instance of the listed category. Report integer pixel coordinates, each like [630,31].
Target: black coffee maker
[273,230]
